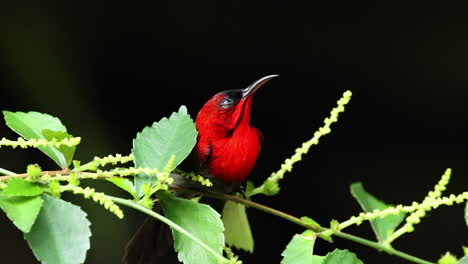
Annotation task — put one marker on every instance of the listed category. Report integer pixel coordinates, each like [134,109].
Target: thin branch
[240,200]
[380,247]
[298,221]
[260,207]
[6,172]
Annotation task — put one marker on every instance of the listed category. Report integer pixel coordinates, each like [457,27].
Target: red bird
[226,150]
[227,145]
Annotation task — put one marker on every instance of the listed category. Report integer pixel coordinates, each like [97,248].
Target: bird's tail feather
[151,244]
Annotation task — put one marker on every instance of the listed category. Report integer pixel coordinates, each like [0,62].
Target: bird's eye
[226,102]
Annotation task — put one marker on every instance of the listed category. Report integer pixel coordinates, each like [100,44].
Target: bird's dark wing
[151,244]
[260,137]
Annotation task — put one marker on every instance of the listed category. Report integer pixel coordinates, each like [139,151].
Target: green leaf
[154,146]
[202,222]
[126,185]
[236,227]
[339,256]
[463,260]
[31,125]
[61,233]
[21,187]
[447,258]
[310,221]
[67,151]
[21,210]
[313,223]
[300,250]
[381,226]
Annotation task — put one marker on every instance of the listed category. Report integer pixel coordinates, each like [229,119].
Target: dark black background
[108,71]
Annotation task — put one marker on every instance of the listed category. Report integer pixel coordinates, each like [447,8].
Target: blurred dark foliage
[108,71]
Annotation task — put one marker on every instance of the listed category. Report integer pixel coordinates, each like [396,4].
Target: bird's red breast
[227,144]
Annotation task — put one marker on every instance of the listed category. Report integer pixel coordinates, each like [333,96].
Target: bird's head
[226,110]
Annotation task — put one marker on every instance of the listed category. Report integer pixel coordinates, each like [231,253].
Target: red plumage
[227,145]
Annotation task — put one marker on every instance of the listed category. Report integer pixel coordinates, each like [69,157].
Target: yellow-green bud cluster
[36,143]
[98,197]
[164,178]
[162,183]
[233,259]
[101,162]
[118,158]
[55,188]
[271,187]
[196,178]
[288,164]
[34,172]
[431,200]
[418,210]
[122,172]
[73,179]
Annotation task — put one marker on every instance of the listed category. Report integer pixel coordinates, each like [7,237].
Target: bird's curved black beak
[257,84]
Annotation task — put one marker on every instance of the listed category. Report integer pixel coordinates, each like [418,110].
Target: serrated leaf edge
[35,216]
[62,161]
[88,224]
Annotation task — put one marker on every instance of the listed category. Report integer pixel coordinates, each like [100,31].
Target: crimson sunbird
[226,151]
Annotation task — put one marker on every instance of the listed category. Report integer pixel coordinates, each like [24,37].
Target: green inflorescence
[233,259]
[36,143]
[428,201]
[98,197]
[164,178]
[111,159]
[162,183]
[271,186]
[196,178]
[117,172]
[55,188]
[417,210]
[126,172]
[73,179]
[34,172]
[413,208]
[101,162]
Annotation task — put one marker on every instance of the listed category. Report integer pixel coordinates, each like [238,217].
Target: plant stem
[6,172]
[298,221]
[168,222]
[386,249]
[267,209]
[248,203]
